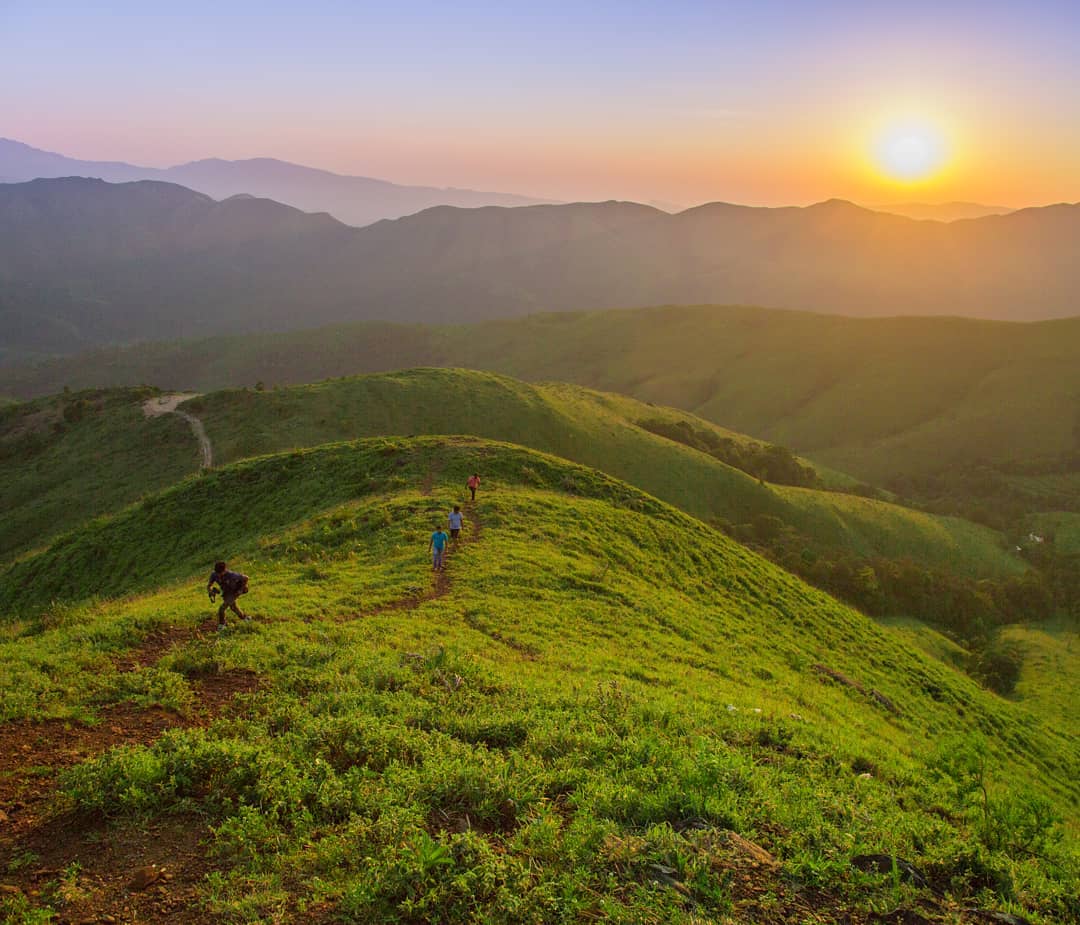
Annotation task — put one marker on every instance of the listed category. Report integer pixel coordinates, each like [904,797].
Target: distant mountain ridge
[353,200]
[942,211]
[86,263]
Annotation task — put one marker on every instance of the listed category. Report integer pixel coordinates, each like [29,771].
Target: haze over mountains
[942,211]
[86,263]
[352,200]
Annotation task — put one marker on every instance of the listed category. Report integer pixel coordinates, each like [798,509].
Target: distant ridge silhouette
[86,263]
[352,200]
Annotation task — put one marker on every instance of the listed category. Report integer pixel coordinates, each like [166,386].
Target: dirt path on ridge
[168,404]
[154,872]
[440,581]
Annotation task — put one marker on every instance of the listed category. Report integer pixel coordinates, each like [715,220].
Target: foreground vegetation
[568,731]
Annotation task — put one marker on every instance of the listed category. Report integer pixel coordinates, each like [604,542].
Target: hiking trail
[440,583]
[168,404]
[150,872]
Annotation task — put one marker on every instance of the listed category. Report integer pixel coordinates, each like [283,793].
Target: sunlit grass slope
[1049,682]
[596,429]
[1051,671]
[600,430]
[606,687]
[68,458]
[925,637]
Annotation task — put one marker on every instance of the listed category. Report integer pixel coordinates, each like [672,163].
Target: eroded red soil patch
[91,872]
[40,840]
[31,754]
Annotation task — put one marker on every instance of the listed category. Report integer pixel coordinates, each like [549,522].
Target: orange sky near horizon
[763,103]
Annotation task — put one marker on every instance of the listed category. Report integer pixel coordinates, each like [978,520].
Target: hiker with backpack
[437,548]
[232,585]
[473,483]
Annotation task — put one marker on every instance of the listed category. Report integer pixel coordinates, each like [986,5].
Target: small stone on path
[144,877]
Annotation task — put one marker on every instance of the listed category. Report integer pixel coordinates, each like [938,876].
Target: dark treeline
[969,611]
[766,461]
[990,495]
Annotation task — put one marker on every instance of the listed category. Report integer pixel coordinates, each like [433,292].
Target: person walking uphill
[454,520]
[437,548]
[232,585]
[473,484]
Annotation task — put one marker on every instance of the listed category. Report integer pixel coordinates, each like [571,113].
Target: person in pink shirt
[473,484]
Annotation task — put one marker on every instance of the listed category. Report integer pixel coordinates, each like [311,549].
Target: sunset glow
[765,103]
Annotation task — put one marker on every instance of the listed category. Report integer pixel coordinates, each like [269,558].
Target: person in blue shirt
[437,548]
[232,585]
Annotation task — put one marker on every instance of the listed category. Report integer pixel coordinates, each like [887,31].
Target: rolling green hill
[604,711]
[1051,668]
[878,398]
[68,458]
[599,430]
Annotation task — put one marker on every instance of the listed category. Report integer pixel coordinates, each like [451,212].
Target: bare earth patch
[92,871]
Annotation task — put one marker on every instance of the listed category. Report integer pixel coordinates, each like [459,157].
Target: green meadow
[1062,528]
[112,455]
[568,729]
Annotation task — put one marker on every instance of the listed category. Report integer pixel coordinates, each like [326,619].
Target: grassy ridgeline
[879,398]
[599,430]
[69,458]
[626,683]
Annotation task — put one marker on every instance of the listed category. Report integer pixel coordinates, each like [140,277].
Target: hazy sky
[758,102]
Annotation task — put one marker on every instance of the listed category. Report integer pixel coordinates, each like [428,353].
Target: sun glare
[910,151]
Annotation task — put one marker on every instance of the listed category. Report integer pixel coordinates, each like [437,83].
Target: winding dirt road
[168,404]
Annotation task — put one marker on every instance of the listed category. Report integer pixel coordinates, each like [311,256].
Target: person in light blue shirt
[437,548]
[454,520]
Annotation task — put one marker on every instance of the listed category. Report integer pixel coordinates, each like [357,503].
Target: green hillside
[879,398]
[605,710]
[1063,528]
[1051,668]
[599,430]
[68,458]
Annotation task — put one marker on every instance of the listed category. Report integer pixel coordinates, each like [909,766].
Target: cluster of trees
[968,610]
[988,494]
[765,461]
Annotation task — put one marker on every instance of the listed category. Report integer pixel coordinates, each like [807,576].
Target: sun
[910,151]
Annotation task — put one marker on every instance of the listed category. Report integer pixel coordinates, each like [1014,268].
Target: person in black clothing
[232,585]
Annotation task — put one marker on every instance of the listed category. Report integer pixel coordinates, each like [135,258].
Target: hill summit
[603,709]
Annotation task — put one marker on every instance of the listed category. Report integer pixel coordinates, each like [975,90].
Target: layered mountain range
[85,263]
[353,200]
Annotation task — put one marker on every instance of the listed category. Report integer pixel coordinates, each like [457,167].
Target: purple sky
[758,102]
